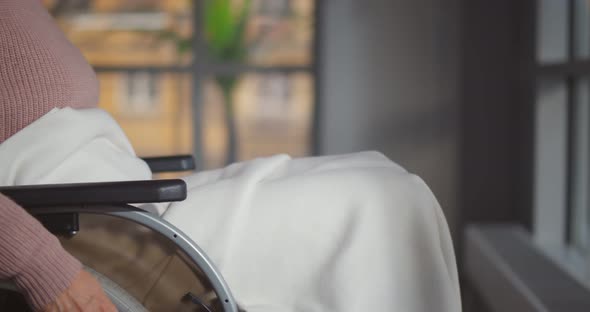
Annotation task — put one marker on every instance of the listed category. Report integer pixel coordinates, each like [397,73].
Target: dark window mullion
[148,69]
[571,152]
[199,52]
[575,69]
[316,55]
[586,87]
[570,81]
[208,69]
[232,69]
[571,31]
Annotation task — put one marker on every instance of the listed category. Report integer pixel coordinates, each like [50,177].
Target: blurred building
[140,51]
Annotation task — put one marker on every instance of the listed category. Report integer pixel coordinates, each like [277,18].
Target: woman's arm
[50,278]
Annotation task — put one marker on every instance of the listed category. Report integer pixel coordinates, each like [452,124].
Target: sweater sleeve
[32,257]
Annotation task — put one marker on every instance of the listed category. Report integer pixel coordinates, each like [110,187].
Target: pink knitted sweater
[39,70]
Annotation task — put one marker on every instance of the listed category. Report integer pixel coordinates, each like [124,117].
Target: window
[164,81]
[562,134]
[139,94]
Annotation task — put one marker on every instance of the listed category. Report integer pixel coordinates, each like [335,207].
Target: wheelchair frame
[108,199]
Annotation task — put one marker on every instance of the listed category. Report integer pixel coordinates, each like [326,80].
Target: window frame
[552,217]
[202,67]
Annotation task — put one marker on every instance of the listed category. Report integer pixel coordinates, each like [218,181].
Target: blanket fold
[342,233]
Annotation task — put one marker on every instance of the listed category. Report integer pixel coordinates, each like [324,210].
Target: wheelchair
[143,262]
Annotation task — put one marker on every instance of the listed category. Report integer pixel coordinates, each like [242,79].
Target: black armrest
[131,192]
[170,163]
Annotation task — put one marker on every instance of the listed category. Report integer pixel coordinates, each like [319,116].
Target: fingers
[84,295]
[68,303]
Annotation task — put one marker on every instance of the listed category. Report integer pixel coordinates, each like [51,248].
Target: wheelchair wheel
[119,297]
[139,269]
[12,300]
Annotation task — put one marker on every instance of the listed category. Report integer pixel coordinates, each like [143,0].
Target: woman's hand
[84,295]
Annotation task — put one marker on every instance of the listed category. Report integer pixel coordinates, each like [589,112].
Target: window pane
[582,44]
[552,28]
[277,32]
[154,110]
[550,161]
[580,231]
[128,33]
[273,114]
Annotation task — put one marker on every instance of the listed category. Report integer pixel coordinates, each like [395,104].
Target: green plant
[225,35]
[225,27]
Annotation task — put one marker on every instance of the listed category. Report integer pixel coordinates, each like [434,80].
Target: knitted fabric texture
[32,257]
[39,68]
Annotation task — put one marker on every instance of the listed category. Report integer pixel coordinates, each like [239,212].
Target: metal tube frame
[187,245]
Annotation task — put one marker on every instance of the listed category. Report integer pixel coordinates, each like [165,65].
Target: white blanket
[340,233]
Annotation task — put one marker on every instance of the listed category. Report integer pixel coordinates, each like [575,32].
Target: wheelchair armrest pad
[170,163]
[128,192]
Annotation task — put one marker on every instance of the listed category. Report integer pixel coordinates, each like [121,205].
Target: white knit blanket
[348,233]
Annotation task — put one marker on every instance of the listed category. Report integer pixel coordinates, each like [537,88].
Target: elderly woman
[339,233]
[50,278]
[32,83]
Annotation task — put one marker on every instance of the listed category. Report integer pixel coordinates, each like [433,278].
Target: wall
[389,82]
[497,86]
